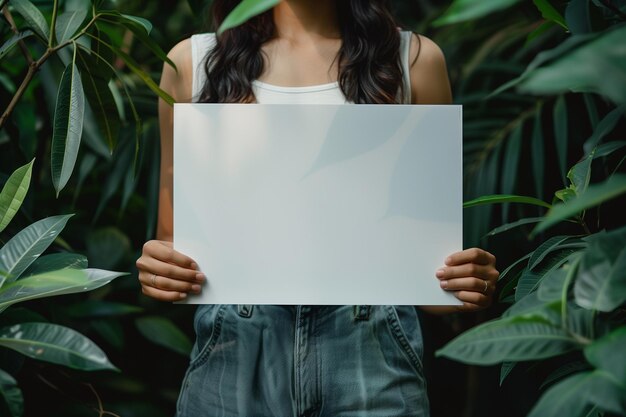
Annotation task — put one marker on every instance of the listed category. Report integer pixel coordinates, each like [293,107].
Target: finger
[467,284]
[473,298]
[472,255]
[162,295]
[466,270]
[469,307]
[164,251]
[168,284]
[164,269]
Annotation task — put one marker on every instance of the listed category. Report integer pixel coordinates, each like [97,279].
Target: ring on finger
[486,287]
[153,280]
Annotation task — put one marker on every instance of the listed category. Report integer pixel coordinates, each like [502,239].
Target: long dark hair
[370,69]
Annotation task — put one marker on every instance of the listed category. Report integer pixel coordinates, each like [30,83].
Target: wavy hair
[370,70]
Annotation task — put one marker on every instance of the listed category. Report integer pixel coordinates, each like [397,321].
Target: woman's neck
[299,20]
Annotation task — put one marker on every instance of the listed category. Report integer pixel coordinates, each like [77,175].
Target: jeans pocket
[403,324]
[208,322]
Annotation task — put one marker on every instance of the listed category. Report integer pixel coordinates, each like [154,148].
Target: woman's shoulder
[428,72]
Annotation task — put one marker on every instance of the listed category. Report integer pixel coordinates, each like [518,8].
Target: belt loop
[245,310]
[361,312]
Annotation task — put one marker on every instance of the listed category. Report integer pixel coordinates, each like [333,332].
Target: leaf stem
[55,8]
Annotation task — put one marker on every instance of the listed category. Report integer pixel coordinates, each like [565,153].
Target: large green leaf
[544,249]
[32,16]
[597,67]
[68,23]
[601,282]
[594,195]
[163,332]
[531,278]
[64,281]
[55,261]
[28,244]
[68,125]
[462,10]
[13,193]
[244,11]
[12,394]
[577,394]
[516,338]
[608,354]
[9,44]
[56,344]
[504,198]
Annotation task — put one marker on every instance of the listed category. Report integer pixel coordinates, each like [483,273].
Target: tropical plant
[566,322]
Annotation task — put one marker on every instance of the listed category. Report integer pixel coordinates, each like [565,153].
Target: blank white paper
[318,204]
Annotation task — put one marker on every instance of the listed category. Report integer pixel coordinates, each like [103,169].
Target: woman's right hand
[165,274]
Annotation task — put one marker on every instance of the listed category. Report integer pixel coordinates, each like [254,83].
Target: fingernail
[196,287]
[439,273]
[200,277]
[444,284]
[182,295]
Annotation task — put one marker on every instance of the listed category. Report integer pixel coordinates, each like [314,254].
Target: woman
[304,360]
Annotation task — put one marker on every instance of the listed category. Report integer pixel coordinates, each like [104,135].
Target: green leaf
[64,281]
[560,133]
[516,264]
[510,164]
[68,23]
[12,394]
[55,261]
[608,148]
[565,370]
[531,279]
[163,332]
[551,287]
[544,249]
[505,198]
[580,174]
[56,344]
[598,67]
[244,11]
[462,10]
[100,99]
[509,226]
[145,23]
[577,394]
[565,195]
[68,125]
[13,194]
[601,282]
[605,126]
[516,338]
[100,308]
[13,40]
[33,17]
[608,354]
[550,13]
[28,244]
[537,151]
[577,17]
[505,370]
[594,195]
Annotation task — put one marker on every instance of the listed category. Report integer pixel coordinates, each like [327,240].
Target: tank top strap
[201,44]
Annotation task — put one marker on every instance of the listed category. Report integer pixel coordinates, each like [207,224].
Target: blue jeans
[279,361]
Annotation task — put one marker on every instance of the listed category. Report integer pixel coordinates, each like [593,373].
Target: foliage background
[510,147]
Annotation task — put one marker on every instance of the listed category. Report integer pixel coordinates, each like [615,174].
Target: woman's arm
[470,274]
[164,273]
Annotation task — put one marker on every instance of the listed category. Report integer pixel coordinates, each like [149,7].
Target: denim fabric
[279,361]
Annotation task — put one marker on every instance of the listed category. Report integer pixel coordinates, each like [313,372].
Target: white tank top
[266,93]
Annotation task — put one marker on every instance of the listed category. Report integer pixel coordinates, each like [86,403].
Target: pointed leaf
[244,11]
[163,332]
[56,261]
[64,281]
[9,44]
[68,23]
[28,244]
[462,10]
[68,125]
[580,174]
[605,126]
[560,134]
[516,338]
[509,226]
[12,394]
[544,249]
[56,344]
[601,282]
[608,148]
[32,16]
[596,194]
[505,198]
[550,13]
[568,369]
[13,193]
[505,370]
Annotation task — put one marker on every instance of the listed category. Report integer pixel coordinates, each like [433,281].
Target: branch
[22,45]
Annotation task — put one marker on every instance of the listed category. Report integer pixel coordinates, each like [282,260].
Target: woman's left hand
[472,275]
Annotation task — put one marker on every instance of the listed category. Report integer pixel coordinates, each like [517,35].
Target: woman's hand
[472,275]
[165,274]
